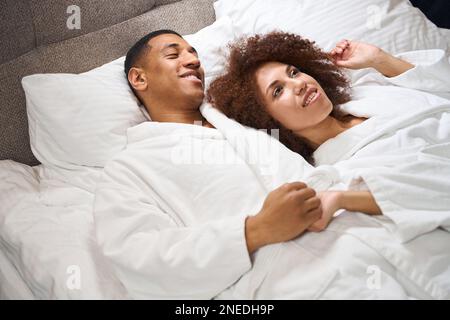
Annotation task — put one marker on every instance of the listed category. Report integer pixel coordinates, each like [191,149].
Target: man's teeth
[312,95]
[191,76]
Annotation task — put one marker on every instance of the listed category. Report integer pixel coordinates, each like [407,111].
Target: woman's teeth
[310,98]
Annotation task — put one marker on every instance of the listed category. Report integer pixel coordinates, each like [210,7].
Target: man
[165,73]
[165,236]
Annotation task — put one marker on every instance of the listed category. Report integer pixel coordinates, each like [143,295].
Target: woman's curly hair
[235,92]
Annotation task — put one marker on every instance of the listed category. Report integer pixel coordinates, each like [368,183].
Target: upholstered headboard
[73,36]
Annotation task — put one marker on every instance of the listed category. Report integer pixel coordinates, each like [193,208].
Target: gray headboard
[42,36]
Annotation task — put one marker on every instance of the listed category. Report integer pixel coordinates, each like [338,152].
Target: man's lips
[192,76]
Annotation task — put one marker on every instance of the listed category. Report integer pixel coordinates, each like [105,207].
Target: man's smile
[192,75]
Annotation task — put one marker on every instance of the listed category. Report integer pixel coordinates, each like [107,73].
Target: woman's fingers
[336,51]
[340,47]
[344,42]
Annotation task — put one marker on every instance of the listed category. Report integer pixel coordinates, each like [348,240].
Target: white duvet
[170,209]
[47,241]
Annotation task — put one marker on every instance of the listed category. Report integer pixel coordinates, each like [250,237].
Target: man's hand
[331,202]
[286,213]
[356,55]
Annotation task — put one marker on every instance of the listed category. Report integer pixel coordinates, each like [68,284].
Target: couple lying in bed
[264,89]
[276,81]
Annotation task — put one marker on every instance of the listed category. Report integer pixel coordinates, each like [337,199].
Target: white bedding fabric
[446,34]
[47,237]
[12,286]
[393,25]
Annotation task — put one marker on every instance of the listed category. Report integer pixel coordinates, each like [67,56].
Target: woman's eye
[294,72]
[277,92]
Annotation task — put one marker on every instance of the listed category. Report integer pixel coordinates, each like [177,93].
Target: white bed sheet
[12,286]
[47,241]
[446,34]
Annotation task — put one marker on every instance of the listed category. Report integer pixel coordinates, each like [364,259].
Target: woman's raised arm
[360,55]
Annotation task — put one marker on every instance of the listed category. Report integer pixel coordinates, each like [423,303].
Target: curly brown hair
[236,95]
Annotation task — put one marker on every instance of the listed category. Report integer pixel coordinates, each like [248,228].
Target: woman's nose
[299,87]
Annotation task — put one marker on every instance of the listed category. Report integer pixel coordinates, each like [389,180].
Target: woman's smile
[310,97]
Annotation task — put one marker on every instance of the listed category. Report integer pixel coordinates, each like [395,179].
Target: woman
[269,75]
[282,81]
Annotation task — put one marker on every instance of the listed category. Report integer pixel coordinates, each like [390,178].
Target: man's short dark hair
[140,47]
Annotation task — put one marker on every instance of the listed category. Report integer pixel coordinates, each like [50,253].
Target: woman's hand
[356,55]
[331,202]
[360,55]
[355,201]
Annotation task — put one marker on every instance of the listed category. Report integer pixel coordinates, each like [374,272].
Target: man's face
[174,73]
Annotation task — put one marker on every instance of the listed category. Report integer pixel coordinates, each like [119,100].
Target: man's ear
[137,79]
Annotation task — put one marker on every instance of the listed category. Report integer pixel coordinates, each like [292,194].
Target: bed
[41,42]
[53,146]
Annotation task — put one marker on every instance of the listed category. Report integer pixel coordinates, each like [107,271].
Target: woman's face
[293,98]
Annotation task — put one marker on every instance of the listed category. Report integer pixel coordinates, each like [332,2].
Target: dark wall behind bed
[437,11]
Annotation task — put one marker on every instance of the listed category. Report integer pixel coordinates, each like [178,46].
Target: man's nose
[191,61]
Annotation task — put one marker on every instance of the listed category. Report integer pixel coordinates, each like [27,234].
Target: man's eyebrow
[276,81]
[177,46]
[170,45]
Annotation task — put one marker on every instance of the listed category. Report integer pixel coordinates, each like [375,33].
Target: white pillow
[211,44]
[394,25]
[81,119]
